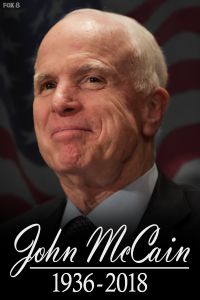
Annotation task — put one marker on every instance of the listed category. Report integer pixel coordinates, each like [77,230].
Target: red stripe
[186,19]
[144,11]
[12,206]
[180,146]
[8,151]
[184,76]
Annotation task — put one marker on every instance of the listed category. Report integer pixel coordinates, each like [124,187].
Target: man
[99,101]
[100,95]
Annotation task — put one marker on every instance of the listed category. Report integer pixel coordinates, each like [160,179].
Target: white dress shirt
[125,206]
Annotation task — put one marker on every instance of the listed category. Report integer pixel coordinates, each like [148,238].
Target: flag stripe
[177,49]
[184,76]
[186,19]
[11,206]
[178,147]
[143,12]
[8,151]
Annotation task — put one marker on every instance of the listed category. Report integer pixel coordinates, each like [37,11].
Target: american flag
[25,180]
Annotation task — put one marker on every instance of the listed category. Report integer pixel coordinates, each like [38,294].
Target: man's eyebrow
[93,67]
[40,77]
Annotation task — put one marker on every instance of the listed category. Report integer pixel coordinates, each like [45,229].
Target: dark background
[25,181]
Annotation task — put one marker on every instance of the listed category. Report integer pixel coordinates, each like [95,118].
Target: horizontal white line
[109,268]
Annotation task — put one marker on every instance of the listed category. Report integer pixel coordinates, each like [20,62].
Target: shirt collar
[125,206]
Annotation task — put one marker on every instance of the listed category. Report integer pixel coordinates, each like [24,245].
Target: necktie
[78,229]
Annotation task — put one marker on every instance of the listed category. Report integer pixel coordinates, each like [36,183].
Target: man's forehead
[94,24]
[90,34]
[71,44]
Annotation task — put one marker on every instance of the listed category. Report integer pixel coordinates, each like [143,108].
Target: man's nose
[65,100]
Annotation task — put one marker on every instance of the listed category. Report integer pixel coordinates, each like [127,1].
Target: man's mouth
[66,129]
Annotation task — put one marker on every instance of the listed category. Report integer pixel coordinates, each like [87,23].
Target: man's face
[86,112]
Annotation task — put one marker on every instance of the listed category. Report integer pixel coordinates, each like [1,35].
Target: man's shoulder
[46,215]
[188,193]
[174,206]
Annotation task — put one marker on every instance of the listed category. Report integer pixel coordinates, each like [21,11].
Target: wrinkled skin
[93,129]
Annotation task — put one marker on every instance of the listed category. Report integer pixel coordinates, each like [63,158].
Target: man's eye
[48,85]
[93,83]
[94,79]
[45,87]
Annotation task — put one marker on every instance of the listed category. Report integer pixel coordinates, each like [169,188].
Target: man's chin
[68,168]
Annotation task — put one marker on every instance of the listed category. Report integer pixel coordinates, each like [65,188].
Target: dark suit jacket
[175,209]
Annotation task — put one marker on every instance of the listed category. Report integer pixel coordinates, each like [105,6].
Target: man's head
[99,96]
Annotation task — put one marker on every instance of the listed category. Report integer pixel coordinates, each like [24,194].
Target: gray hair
[149,65]
[149,69]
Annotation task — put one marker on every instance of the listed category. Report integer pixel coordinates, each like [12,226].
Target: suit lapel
[167,207]
[51,216]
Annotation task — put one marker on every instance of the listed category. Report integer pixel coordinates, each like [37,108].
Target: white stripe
[165,10]
[183,110]
[184,46]
[189,173]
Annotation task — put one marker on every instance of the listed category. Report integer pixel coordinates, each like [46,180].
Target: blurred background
[25,181]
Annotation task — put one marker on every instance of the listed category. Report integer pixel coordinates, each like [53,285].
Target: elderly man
[99,100]
[100,97]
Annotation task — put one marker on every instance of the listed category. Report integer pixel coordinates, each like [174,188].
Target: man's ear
[154,107]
